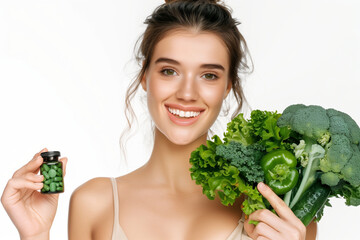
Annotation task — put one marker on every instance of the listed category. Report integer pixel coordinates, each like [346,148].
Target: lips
[183,116]
[184,108]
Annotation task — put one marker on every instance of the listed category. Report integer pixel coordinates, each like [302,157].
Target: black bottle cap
[50,156]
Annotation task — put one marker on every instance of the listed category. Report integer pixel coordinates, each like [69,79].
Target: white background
[65,66]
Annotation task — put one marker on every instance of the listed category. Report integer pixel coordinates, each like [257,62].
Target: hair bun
[208,1]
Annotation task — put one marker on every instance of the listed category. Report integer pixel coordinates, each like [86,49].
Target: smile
[183,114]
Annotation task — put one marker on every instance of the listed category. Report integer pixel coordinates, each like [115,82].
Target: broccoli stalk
[315,153]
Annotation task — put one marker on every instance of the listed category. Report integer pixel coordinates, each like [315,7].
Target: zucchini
[311,202]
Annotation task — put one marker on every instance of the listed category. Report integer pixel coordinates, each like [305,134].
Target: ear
[143,78]
[228,88]
[143,81]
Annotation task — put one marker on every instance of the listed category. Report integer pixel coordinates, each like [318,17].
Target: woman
[191,54]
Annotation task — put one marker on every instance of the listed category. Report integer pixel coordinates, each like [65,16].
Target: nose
[187,89]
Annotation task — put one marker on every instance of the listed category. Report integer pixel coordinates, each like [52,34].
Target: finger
[269,218]
[249,228]
[64,161]
[32,177]
[276,202]
[264,230]
[16,184]
[41,151]
[32,166]
[22,183]
[263,238]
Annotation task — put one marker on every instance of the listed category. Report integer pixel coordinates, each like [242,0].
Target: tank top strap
[116,202]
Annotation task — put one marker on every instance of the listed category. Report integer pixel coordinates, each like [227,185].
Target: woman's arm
[311,231]
[31,212]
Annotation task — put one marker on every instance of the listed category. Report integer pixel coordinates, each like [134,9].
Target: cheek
[213,95]
[157,92]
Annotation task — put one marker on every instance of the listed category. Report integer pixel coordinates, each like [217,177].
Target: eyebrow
[206,65]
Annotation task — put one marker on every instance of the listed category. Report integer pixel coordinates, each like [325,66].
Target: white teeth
[181,113]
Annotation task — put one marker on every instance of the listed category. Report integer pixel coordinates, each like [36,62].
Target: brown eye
[169,72]
[209,76]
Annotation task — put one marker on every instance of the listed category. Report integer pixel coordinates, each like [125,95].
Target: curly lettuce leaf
[219,178]
[264,127]
[239,130]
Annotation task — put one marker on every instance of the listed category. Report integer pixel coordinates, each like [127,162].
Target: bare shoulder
[90,203]
[93,191]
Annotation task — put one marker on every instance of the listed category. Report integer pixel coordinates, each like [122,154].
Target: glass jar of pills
[52,170]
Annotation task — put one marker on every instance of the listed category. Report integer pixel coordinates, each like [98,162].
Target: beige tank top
[119,234]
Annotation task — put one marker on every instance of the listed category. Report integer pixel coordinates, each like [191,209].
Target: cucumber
[311,202]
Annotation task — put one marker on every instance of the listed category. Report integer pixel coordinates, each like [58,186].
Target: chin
[183,139]
[180,140]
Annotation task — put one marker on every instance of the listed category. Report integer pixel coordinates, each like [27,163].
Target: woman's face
[186,83]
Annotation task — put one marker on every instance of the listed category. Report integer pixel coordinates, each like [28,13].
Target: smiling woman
[188,75]
[191,54]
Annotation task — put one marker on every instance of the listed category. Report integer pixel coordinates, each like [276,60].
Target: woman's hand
[31,212]
[285,226]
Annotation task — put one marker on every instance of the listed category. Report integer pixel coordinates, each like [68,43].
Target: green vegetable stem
[280,170]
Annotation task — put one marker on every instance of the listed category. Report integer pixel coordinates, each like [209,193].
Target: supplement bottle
[51,169]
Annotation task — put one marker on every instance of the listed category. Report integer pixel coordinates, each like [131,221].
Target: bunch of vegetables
[306,155]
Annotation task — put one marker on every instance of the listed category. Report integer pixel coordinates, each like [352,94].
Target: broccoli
[330,178]
[311,121]
[337,134]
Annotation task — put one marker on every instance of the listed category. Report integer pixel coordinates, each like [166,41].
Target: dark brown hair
[199,15]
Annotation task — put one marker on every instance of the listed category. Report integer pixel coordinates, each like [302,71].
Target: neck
[169,163]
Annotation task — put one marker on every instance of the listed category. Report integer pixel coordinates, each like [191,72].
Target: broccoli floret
[353,128]
[330,178]
[338,126]
[338,154]
[287,114]
[310,121]
[245,158]
[351,171]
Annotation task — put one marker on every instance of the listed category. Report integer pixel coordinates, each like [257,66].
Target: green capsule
[46,167]
[52,187]
[59,189]
[43,190]
[46,187]
[58,179]
[48,181]
[46,175]
[59,172]
[52,173]
[59,165]
[54,167]
[61,184]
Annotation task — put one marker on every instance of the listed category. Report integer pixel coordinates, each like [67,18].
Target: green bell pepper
[280,171]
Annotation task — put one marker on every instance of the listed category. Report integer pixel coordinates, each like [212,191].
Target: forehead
[192,47]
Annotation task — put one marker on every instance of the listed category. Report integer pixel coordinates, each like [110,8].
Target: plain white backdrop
[65,66]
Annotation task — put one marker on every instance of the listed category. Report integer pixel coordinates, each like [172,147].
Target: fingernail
[261,186]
